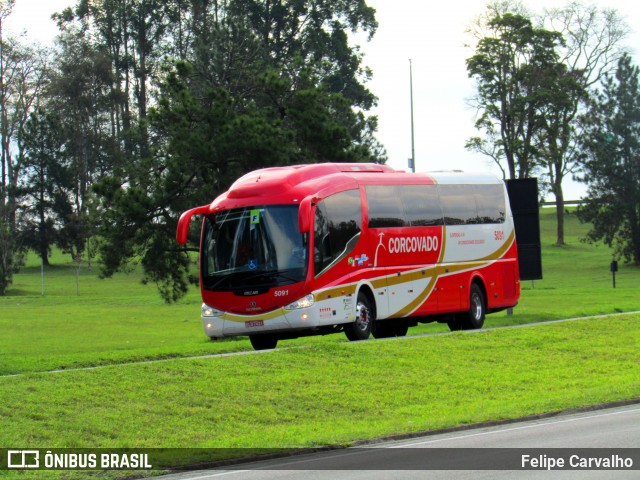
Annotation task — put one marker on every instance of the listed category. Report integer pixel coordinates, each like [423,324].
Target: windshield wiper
[212,282]
[240,280]
[272,275]
[286,276]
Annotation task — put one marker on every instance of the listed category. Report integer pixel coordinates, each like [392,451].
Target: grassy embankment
[120,320]
[328,391]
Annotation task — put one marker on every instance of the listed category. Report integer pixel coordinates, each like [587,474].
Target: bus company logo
[359,261]
[23,459]
[413,244]
[253,307]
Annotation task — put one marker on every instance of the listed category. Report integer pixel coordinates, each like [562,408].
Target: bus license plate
[254,323]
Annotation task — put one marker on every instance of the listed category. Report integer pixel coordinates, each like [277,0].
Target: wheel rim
[362,317]
[476,307]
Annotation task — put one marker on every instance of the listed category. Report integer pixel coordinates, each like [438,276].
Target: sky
[431,35]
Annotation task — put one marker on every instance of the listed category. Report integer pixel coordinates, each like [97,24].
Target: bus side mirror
[185,220]
[304,215]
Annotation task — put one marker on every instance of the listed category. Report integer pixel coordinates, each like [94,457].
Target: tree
[591,49]
[556,136]
[23,75]
[8,245]
[263,83]
[81,92]
[612,163]
[43,181]
[513,67]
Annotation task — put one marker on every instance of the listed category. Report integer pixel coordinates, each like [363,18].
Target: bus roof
[462,178]
[292,184]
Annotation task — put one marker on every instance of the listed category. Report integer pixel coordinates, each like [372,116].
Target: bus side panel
[450,290]
[509,287]
[334,290]
[500,282]
[507,280]
[425,284]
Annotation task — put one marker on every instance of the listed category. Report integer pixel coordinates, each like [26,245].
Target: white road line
[221,474]
[513,429]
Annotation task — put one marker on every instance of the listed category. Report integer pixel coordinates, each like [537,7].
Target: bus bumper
[232,325]
[219,324]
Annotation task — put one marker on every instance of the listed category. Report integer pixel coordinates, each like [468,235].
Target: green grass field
[325,390]
[120,320]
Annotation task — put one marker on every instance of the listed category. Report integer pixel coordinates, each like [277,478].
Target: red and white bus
[360,248]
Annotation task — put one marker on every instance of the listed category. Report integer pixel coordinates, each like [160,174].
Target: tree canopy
[146,109]
[534,73]
[612,163]
[514,68]
[248,84]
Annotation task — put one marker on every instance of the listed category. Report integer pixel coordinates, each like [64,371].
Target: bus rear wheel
[360,329]
[263,342]
[473,319]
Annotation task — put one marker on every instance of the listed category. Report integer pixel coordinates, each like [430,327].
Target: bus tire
[473,319]
[390,328]
[263,342]
[454,323]
[360,329]
[383,329]
[401,329]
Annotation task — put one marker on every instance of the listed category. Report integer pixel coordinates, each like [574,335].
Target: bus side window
[491,203]
[421,205]
[385,206]
[337,226]
[321,238]
[458,204]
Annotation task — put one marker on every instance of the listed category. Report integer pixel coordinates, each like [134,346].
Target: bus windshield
[254,247]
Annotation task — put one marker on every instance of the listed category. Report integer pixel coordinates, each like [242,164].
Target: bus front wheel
[263,342]
[360,329]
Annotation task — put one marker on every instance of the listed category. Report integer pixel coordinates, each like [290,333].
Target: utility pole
[412,160]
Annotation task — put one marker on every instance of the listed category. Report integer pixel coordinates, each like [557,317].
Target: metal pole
[413,155]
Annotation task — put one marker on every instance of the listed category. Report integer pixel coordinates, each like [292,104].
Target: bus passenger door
[395,286]
[384,276]
[400,294]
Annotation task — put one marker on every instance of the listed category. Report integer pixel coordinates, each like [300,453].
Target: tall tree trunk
[559,194]
[43,247]
[635,234]
[557,177]
[142,97]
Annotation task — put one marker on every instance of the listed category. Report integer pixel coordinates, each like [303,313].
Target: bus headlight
[304,302]
[208,311]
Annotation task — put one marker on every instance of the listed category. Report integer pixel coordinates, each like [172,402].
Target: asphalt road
[469,454]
